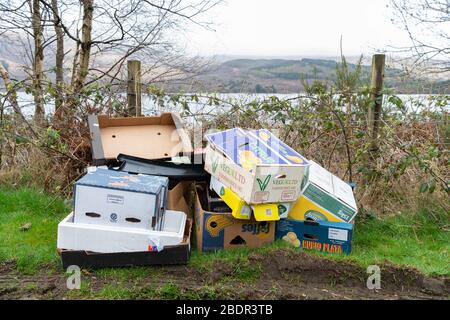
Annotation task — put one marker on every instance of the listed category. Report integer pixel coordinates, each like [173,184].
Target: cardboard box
[216,231]
[324,197]
[255,165]
[177,198]
[155,137]
[108,239]
[322,236]
[241,210]
[215,203]
[115,198]
[171,255]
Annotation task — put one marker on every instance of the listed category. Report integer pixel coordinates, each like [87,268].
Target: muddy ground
[283,274]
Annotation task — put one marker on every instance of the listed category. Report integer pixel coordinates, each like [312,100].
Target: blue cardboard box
[322,236]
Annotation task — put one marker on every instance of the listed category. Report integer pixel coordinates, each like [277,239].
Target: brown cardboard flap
[145,137]
[176,199]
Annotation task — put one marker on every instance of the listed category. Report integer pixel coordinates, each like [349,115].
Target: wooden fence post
[134,88]
[376,97]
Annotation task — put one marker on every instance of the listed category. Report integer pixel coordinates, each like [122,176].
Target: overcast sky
[297,27]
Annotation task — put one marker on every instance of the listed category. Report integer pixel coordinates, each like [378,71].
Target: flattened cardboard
[321,236]
[171,255]
[217,231]
[156,137]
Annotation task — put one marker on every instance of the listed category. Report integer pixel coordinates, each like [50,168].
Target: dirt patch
[282,274]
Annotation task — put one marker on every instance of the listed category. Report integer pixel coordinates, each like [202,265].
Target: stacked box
[241,210]
[324,197]
[254,172]
[320,219]
[321,236]
[220,230]
[121,199]
[255,165]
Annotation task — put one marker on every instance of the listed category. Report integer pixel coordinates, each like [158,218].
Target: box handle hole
[310,236]
[238,240]
[134,220]
[93,214]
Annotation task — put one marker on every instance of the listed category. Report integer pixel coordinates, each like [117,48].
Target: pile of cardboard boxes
[137,204]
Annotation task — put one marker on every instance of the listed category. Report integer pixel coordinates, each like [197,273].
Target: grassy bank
[417,239]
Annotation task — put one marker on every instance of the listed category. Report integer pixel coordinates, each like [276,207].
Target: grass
[418,239]
[37,246]
[415,239]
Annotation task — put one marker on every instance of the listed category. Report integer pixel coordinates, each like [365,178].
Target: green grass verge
[418,239]
[36,246]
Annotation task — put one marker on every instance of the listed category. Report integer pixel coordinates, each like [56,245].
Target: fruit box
[324,197]
[241,210]
[322,236]
[255,165]
[216,231]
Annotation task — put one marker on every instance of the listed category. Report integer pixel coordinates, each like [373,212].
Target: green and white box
[325,197]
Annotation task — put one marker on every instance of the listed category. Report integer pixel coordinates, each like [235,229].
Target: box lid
[251,148]
[105,178]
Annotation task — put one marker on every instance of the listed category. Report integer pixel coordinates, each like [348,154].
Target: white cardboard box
[119,199]
[256,165]
[109,239]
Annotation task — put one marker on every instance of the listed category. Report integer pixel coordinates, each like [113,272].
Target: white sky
[297,27]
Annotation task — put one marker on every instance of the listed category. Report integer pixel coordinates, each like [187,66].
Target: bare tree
[427,23]
[11,95]
[38,63]
[59,59]
[99,36]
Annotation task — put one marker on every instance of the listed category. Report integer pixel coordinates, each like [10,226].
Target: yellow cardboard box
[241,210]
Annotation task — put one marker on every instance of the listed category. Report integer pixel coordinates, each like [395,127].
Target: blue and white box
[108,197]
[321,236]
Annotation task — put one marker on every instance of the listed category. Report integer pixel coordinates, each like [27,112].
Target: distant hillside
[283,76]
